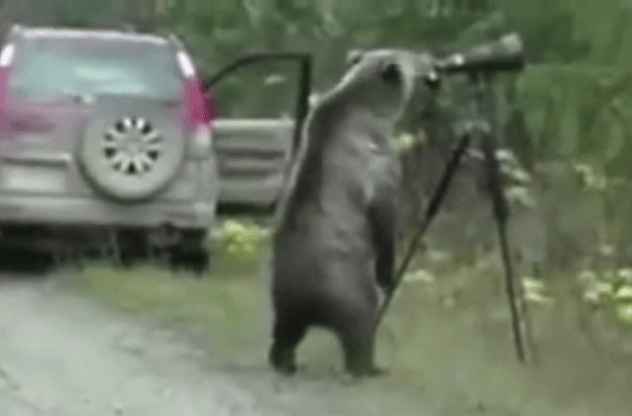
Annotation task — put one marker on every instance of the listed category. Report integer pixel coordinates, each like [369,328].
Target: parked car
[106,144]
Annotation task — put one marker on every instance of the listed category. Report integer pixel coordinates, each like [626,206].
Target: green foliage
[584,112]
[239,241]
[610,290]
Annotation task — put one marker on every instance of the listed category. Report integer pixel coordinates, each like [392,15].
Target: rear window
[50,68]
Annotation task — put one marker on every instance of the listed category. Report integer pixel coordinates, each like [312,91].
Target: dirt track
[63,355]
[60,356]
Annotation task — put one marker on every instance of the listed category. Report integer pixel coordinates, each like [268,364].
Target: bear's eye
[391,72]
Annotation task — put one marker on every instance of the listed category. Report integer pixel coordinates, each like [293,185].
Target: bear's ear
[354,56]
[391,72]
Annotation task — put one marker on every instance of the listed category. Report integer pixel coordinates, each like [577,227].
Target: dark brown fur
[335,242]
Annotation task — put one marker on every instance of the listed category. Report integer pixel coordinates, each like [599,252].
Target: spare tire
[132,148]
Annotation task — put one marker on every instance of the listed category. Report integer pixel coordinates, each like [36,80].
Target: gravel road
[62,355]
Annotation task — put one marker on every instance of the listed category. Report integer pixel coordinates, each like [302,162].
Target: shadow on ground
[24,264]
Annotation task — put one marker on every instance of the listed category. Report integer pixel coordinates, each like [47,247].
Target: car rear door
[254,152]
[36,137]
[48,123]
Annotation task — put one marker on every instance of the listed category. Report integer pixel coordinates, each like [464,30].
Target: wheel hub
[132,146]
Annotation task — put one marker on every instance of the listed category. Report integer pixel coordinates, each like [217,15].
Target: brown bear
[335,239]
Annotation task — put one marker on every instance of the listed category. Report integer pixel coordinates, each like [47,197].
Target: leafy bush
[578,112]
[611,290]
[240,241]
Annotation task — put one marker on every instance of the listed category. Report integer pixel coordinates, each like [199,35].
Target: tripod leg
[526,318]
[431,211]
[501,212]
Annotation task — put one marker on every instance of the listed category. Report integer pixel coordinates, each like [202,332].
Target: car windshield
[50,68]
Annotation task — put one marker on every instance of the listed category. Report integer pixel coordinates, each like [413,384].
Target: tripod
[479,130]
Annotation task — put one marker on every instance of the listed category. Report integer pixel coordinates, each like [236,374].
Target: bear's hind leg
[287,334]
[355,337]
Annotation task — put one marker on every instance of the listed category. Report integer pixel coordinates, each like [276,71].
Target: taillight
[198,113]
[6,59]
[197,110]
[199,121]
[194,98]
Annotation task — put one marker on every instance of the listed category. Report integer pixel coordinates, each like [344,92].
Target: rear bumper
[65,211]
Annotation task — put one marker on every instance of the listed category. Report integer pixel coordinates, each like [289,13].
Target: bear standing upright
[335,240]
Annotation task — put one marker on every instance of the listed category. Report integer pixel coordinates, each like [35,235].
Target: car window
[52,68]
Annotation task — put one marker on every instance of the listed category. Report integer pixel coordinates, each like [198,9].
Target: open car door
[254,153]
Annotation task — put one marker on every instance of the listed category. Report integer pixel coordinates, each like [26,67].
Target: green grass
[449,339]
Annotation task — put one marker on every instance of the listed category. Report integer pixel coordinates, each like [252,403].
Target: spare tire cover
[132,148]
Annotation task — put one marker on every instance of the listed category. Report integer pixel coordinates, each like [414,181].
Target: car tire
[132,246]
[191,255]
[132,148]
[193,261]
